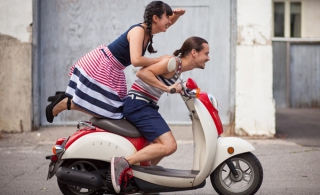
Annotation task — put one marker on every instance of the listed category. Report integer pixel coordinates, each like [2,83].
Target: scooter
[81,162]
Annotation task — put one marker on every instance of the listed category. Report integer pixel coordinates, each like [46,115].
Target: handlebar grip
[173,90]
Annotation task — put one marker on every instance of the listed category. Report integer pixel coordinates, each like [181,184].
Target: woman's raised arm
[176,14]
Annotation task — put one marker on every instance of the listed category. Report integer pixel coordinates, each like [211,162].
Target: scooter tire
[243,163]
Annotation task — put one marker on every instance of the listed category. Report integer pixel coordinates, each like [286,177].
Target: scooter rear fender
[99,146]
[223,143]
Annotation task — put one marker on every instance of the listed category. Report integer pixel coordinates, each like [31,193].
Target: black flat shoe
[52,98]
[55,100]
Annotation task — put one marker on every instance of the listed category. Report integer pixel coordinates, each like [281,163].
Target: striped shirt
[141,88]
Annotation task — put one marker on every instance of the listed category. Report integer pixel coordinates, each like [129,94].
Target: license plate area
[53,166]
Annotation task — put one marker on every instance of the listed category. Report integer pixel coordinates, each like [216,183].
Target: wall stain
[252,35]
[21,126]
[242,132]
[29,30]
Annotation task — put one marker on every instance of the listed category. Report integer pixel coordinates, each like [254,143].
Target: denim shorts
[145,117]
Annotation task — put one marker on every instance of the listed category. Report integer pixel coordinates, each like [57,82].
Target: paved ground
[290,161]
[301,126]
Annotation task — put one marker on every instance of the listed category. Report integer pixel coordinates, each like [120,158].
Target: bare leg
[62,105]
[162,146]
[156,161]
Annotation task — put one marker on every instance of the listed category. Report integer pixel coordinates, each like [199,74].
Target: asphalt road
[301,126]
[290,163]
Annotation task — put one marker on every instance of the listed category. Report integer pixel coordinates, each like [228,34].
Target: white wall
[255,109]
[15,65]
[311,19]
[15,19]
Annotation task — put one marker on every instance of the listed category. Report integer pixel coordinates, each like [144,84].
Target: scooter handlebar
[173,90]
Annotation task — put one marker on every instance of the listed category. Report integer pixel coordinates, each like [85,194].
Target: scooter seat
[118,126]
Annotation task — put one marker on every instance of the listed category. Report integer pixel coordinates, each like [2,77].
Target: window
[287,19]
[278,19]
[295,19]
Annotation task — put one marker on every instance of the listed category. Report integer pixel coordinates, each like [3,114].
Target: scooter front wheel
[248,181]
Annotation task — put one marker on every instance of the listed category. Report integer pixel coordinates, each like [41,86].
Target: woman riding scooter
[140,107]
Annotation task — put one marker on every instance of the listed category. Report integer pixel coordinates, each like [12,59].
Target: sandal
[55,100]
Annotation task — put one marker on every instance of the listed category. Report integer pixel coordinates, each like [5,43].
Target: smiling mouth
[167,26]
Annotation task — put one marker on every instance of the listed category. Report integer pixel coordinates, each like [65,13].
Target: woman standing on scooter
[140,107]
[97,85]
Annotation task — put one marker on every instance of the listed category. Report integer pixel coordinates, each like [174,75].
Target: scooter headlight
[213,101]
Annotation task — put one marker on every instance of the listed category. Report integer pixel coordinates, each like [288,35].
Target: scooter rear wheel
[248,182]
[81,165]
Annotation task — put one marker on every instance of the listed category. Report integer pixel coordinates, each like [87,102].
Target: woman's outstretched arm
[176,14]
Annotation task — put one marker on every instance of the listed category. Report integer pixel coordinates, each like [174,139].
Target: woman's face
[161,24]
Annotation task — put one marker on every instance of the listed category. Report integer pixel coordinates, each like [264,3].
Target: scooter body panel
[99,146]
[176,182]
[207,140]
[151,188]
[223,143]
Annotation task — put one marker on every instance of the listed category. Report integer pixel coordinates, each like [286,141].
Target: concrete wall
[311,19]
[15,65]
[255,109]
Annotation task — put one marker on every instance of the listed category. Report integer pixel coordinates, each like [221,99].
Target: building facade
[41,43]
[296,53]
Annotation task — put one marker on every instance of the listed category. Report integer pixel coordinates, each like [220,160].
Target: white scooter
[81,161]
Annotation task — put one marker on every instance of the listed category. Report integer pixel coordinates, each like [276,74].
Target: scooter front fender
[223,143]
[99,146]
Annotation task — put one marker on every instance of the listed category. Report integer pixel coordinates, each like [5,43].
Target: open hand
[179,11]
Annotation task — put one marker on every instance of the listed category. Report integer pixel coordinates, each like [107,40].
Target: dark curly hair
[189,44]
[154,8]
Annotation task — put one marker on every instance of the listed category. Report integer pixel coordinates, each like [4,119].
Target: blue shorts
[145,117]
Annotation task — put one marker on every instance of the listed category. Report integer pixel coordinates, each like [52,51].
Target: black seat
[118,126]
